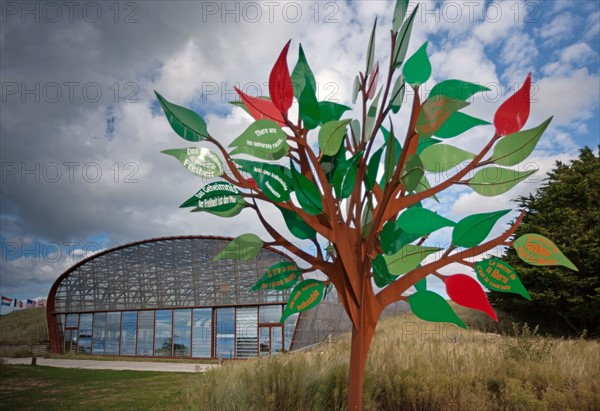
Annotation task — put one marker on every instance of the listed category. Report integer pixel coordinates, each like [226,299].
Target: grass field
[412,365]
[24,327]
[47,388]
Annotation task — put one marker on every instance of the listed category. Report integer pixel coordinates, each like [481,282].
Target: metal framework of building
[167,297]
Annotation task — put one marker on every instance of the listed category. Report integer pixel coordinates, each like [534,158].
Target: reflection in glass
[265,341]
[145,332]
[202,333]
[270,314]
[246,332]
[128,329]
[85,334]
[225,332]
[70,341]
[163,338]
[276,342]
[113,331]
[289,326]
[182,333]
[71,321]
[98,333]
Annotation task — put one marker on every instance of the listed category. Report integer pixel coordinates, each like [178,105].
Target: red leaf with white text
[280,82]
[513,113]
[260,108]
[466,291]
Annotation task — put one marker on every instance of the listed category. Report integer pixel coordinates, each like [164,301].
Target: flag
[41,303]
[20,305]
[30,303]
[15,302]
[6,301]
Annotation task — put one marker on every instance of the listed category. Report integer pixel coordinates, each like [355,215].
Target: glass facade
[236,332]
[166,297]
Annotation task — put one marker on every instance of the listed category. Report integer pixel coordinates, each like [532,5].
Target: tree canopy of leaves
[566,208]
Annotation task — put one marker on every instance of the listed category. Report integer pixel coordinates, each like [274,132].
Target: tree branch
[392,292]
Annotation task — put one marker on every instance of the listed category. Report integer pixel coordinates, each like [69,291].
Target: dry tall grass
[415,365]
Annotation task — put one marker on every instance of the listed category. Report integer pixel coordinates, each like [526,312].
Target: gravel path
[115,365]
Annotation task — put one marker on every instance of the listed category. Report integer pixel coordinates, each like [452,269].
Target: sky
[81,131]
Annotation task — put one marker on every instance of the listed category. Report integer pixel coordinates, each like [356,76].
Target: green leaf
[392,238]
[184,122]
[408,258]
[373,169]
[417,68]
[367,218]
[403,39]
[198,160]
[457,124]
[392,154]
[430,306]
[413,173]
[262,139]
[278,277]
[435,113]
[516,147]
[356,132]
[245,247]
[297,226]
[497,275]
[421,221]
[472,230]
[371,50]
[421,285]
[303,297]
[425,142]
[330,111]
[330,163]
[536,249]
[492,181]
[456,89]
[381,274]
[310,111]
[371,114]
[301,74]
[399,13]
[424,185]
[331,136]
[217,196]
[397,97]
[273,180]
[307,193]
[440,158]
[232,212]
[344,177]
[355,89]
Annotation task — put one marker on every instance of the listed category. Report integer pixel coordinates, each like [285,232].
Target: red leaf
[466,291]
[513,113]
[280,82]
[260,108]
[373,81]
[252,183]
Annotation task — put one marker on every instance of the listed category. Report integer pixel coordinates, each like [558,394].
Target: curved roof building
[166,297]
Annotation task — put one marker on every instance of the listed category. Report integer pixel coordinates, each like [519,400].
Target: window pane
[98,333]
[182,329]
[276,342]
[145,332]
[113,331]
[289,327]
[71,321]
[128,330]
[246,332]
[163,338]
[225,332]
[270,313]
[202,333]
[85,333]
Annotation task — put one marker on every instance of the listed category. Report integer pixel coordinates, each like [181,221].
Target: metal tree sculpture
[361,205]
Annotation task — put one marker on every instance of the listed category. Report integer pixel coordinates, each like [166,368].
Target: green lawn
[24,387]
